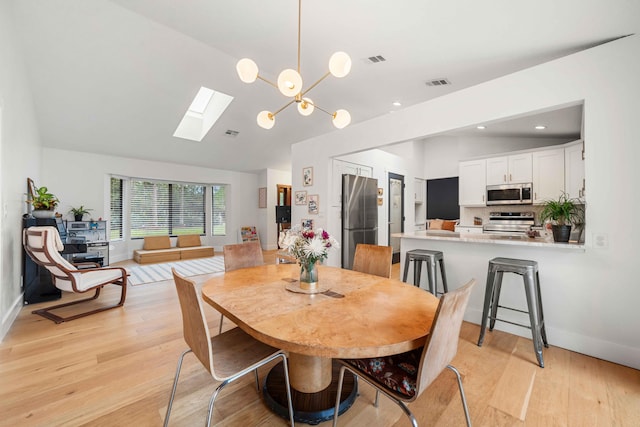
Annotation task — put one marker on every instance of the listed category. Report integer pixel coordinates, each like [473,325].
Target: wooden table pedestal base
[309,408]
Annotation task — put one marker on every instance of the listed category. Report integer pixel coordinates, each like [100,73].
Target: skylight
[205,110]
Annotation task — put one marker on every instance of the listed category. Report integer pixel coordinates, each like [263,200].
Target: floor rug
[158,272]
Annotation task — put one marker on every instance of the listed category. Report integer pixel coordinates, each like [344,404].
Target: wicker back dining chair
[43,245]
[403,377]
[241,255]
[373,259]
[228,356]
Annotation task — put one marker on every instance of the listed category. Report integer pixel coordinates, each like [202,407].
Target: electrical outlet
[600,240]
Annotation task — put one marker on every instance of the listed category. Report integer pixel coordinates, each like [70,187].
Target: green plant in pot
[78,213]
[562,213]
[43,203]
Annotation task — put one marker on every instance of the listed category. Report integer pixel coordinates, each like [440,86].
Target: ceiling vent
[375,59]
[438,82]
[231,133]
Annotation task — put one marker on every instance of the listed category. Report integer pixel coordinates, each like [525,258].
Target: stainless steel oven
[510,194]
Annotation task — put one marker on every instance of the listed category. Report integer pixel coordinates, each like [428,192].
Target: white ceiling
[116,77]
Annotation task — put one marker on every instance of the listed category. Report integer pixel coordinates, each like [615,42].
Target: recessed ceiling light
[541,127]
[481,127]
[397,103]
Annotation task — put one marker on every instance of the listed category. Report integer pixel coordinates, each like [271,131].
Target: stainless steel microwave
[509,194]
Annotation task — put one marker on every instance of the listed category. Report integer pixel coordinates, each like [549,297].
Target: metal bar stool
[529,272]
[430,257]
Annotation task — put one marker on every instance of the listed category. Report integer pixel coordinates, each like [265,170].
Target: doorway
[283,209]
[395,201]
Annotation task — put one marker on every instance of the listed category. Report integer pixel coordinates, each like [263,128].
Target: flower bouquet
[308,246]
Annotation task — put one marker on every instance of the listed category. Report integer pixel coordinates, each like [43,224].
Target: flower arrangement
[308,246]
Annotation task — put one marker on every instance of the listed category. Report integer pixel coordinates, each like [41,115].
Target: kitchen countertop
[488,238]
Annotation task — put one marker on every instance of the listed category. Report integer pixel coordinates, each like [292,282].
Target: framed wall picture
[307,176]
[307,223]
[314,204]
[262,197]
[301,197]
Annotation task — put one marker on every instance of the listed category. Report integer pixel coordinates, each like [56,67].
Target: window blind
[219,210]
[163,208]
[115,226]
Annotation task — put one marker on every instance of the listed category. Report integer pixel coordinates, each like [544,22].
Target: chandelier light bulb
[341,119]
[289,82]
[247,70]
[339,64]
[266,119]
[305,107]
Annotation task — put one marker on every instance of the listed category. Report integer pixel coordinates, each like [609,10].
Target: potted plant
[79,212]
[562,213]
[43,203]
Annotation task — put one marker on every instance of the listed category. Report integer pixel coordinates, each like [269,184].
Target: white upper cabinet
[513,169]
[574,171]
[472,183]
[548,174]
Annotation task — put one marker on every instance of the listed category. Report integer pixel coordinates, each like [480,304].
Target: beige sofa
[159,249]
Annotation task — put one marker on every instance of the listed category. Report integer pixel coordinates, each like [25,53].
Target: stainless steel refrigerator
[359,214]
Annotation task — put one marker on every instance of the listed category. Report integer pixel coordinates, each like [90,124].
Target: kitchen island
[467,256]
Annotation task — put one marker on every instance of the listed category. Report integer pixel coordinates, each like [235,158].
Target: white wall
[83,179]
[20,158]
[598,300]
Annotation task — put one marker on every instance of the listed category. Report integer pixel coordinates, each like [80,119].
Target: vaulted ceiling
[116,77]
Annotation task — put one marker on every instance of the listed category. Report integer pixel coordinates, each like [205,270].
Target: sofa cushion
[188,241]
[156,242]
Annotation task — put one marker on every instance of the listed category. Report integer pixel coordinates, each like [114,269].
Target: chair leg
[257,381]
[338,394]
[288,384]
[221,319]
[46,312]
[377,398]
[488,296]
[213,399]
[462,396]
[175,386]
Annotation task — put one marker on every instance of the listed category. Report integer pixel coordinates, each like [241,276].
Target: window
[163,208]
[116,209]
[219,210]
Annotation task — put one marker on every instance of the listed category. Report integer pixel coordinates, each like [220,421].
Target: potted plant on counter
[43,203]
[78,213]
[562,213]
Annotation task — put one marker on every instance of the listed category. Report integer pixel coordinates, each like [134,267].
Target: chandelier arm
[282,108]
[321,109]
[316,83]
[299,26]
[267,81]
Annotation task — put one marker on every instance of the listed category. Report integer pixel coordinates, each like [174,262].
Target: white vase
[38,213]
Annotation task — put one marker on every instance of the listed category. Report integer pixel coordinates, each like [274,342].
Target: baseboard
[10,317]
[594,347]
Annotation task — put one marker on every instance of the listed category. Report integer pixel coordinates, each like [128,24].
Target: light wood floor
[116,369]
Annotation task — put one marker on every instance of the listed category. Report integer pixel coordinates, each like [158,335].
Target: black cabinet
[37,281]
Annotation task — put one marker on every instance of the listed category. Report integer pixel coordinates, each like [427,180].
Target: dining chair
[43,245]
[241,255]
[228,356]
[373,259]
[403,377]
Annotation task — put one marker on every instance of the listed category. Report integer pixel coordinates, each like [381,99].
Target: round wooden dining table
[356,316]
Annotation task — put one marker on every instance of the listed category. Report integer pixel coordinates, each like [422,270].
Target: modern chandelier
[290,85]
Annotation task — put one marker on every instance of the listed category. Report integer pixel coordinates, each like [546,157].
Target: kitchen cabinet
[462,229]
[548,174]
[513,169]
[340,167]
[574,171]
[472,182]
[419,191]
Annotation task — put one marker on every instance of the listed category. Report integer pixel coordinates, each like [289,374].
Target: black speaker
[283,214]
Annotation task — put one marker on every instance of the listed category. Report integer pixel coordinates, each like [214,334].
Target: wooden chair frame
[440,348]
[227,356]
[61,269]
